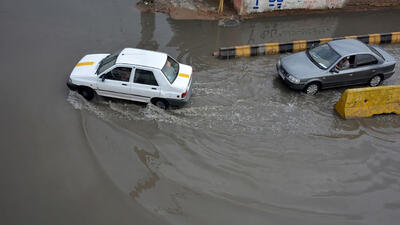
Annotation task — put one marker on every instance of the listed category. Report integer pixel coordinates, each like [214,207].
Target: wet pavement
[245,150]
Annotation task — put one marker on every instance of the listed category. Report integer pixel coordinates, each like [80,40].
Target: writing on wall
[269,5]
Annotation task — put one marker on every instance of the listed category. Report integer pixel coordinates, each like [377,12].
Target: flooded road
[245,150]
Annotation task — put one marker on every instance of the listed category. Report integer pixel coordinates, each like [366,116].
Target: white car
[133,74]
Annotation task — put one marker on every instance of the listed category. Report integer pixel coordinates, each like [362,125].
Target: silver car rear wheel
[312,89]
[375,81]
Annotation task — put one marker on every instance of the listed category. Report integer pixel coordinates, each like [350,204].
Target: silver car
[334,64]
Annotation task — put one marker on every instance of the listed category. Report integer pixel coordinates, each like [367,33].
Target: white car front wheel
[86,92]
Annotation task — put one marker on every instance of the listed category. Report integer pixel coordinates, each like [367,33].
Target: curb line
[296,46]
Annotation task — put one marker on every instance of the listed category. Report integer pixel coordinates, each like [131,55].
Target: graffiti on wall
[275,4]
[271,3]
[334,3]
[256,5]
[268,5]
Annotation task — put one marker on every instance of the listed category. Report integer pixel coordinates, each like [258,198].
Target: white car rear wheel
[161,103]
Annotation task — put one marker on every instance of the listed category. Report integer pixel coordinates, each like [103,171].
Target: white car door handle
[350,74]
[124,84]
[154,88]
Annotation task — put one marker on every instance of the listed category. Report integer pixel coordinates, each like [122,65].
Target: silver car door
[366,65]
[339,77]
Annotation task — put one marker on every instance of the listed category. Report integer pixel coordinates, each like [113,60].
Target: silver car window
[365,59]
[375,51]
[346,63]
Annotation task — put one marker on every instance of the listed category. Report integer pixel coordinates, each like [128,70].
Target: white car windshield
[107,62]
[170,69]
[323,56]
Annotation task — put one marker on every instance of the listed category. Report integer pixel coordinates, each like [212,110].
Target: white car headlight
[293,79]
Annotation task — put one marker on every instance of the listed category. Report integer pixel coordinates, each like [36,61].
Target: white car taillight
[183,95]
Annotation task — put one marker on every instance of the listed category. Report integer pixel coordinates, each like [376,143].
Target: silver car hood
[300,66]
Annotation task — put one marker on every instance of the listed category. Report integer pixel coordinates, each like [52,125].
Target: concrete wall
[256,6]
[372,3]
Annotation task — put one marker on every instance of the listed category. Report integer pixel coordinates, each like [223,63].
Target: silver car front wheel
[375,81]
[312,89]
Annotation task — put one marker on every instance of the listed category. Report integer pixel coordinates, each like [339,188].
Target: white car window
[170,69]
[145,77]
[119,74]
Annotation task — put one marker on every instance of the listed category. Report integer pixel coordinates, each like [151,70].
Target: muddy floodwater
[245,150]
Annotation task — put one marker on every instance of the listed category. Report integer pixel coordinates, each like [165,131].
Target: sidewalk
[208,9]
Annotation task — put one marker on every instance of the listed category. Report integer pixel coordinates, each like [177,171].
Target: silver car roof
[347,47]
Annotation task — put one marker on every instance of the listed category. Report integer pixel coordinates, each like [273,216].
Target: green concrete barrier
[295,46]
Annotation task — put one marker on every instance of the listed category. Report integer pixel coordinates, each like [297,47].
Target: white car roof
[142,57]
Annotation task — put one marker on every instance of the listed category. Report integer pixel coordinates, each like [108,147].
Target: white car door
[145,85]
[115,83]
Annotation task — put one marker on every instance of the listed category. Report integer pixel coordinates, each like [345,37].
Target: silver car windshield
[323,56]
[170,69]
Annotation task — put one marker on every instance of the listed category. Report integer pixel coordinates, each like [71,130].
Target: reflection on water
[246,140]
[246,145]
[245,150]
[147,22]
[148,182]
[249,100]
